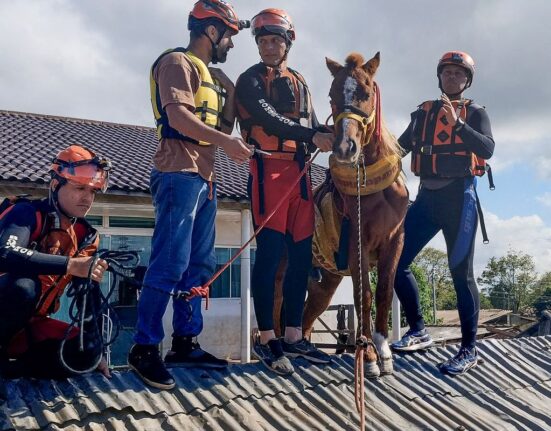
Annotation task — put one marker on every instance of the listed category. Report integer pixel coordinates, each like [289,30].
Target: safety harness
[288,94]
[438,150]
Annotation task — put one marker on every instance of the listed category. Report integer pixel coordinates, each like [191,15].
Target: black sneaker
[306,350]
[186,353]
[462,362]
[146,361]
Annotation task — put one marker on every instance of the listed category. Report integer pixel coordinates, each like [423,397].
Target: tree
[425,294]
[541,297]
[435,265]
[509,280]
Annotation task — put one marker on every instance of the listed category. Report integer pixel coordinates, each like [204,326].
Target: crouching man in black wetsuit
[45,246]
[450,140]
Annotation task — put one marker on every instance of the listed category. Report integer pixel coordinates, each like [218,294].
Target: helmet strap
[53,198]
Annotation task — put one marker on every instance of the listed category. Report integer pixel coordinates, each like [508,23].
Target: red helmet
[78,165]
[273,21]
[217,9]
[457,58]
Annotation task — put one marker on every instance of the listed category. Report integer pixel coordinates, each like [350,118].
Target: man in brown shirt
[194,111]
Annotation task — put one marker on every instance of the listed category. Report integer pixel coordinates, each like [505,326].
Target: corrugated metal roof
[511,390]
[29,142]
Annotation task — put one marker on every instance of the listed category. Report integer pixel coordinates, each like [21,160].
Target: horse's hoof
[371,370]
[386,366]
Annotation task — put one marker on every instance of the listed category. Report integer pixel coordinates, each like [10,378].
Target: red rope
[359,389]
[204,289]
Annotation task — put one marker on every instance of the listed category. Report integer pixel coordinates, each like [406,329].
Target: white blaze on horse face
[382,345]
[350,86]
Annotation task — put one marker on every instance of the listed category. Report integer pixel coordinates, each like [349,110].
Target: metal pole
[433,298]
[395,318]
[245,288]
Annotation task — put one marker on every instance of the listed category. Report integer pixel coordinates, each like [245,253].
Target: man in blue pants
[191,121]
[450,140]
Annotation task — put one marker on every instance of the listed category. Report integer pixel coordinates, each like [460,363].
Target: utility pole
[433,297]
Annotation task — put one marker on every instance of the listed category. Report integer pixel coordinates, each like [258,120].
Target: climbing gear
[209,100]
[304,349]
[273,21]
[412,341]
[463,361]
[456,58]
[146,361]
[437,148]
[91,312]
[288,94]
[79,165]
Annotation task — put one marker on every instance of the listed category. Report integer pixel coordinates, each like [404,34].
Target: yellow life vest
[209,100]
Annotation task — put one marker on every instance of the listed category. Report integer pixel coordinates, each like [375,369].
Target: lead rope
[361,342]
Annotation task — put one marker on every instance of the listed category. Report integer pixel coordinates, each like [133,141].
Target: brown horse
[363,146]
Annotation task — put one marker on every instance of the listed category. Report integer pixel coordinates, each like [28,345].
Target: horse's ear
[333,66]
[372,65]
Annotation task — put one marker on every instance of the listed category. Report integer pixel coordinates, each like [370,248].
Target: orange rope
[204,289]
[359,387]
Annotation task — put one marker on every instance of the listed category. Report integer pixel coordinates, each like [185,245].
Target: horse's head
[353,102]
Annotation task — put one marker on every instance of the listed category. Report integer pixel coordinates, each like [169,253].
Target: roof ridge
[73,119]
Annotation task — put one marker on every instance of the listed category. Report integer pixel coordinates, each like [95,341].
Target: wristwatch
[459,124]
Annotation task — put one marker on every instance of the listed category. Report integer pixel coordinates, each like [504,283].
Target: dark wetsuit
[20,292]
[292,225]
[447,204]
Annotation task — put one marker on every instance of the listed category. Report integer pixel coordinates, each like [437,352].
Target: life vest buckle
[426,150]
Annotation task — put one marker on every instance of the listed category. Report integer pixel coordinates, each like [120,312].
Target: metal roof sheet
[511,390]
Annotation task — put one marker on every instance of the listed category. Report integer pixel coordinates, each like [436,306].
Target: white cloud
[545,199]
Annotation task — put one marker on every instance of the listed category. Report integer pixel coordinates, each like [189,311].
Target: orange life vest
[298,110]
[80,240]
[437,149]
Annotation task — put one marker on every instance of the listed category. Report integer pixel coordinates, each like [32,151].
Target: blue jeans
[182,253]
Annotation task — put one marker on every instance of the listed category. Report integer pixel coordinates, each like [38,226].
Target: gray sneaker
[413,340]
[272,357]
[306,350]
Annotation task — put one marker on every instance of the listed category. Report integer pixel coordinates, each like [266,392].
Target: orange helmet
[457,58]
[216,9]
[78,165]
[273,21]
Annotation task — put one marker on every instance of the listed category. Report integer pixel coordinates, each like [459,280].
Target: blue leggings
[270,249]
[451,209]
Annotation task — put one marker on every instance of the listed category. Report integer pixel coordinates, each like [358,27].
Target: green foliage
[509,280]
[541,298]
[425,294]
[435,265]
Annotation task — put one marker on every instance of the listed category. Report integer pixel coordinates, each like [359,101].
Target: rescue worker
[449,140]
[194,111]
[276,116]
[45,246]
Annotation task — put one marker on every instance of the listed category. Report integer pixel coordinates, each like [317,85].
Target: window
[95,220]
[228,285]
[136,222]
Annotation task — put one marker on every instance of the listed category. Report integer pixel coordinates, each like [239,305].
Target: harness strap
[485,239]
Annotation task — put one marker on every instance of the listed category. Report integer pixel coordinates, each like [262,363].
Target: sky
[90,59]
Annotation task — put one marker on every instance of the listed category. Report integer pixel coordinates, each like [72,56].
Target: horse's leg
[319,297]
[362,298]
[278,297]
[389,255]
